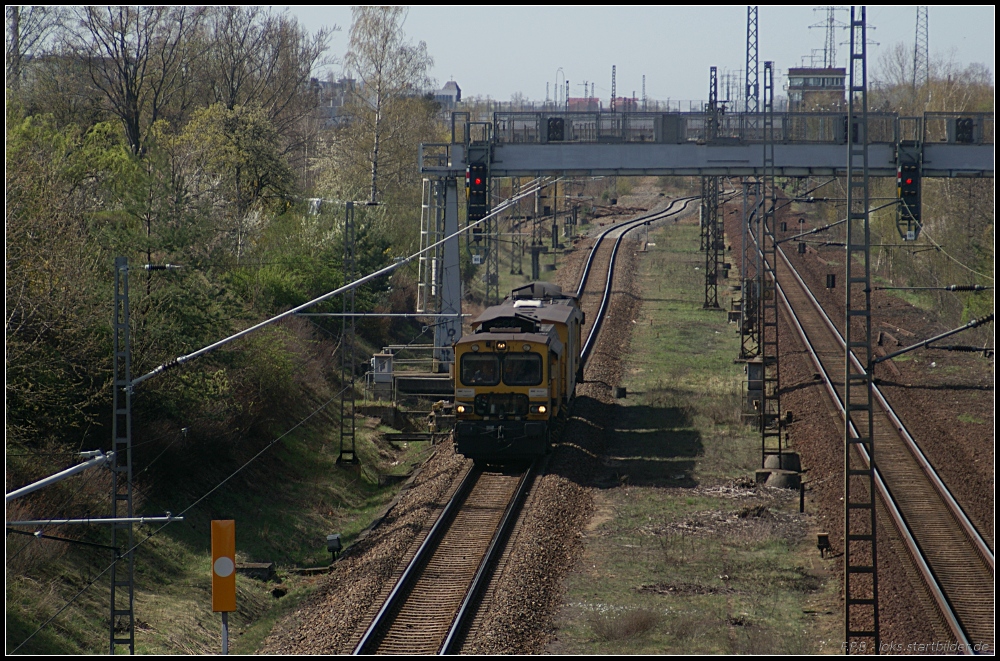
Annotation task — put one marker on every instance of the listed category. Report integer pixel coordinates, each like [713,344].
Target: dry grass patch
[625,626]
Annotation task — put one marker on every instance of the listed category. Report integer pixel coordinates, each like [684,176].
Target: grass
[685,555]
[284,505]
[625,626]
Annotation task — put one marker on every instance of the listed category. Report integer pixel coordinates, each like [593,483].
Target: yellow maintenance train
[516,374]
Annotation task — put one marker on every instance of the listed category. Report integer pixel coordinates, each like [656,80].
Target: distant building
[449,95]
[626,104]
[816,89]
[594,104]
[332,96]
[584,104]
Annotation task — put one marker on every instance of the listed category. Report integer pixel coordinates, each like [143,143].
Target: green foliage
[58,287]
[235,155]
[212,191]
[956,243]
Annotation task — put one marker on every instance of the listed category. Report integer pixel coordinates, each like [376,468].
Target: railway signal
[224,573]
[908,175]
[557,129]
[476,191]
[908,191]
[964,130]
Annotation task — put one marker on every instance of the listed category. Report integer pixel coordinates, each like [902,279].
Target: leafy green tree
[57,282]
[957,216]
[234,160]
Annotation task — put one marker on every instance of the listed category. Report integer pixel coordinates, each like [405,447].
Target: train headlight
[475,347]
[501,346]
[542,409]
[526,347]
[460,408]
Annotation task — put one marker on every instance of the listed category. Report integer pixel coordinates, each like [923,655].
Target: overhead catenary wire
[831,225]
[533,187]
[972,288]
[942,250]
[972,324]
[69,497]
[187,509]
[57,523]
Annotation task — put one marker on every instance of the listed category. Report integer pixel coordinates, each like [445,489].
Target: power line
[182,513]
[537,185]
[65,501]
[940,249]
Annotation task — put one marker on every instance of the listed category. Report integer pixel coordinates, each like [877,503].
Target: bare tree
[137,58]
[258,58]
[388,70]
[949,87]
[27,30]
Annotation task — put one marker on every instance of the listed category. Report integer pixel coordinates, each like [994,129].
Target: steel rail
[423,552]
[956,509]
[936,593]
[483,573]
[626,227]
[430,542]
[920,560]
[430,545]
[657,215]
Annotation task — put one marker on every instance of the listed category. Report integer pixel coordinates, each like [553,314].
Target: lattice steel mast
[122,590]
[830,38]
[491,234]
[770,411]
[348,452]
[861,612]
[921,54]
[749,259]
[712,229]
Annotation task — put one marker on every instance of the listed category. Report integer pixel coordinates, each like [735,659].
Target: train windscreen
[480,369]
[522,369]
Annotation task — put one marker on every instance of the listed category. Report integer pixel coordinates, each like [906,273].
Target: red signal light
[478,181]
[908,182]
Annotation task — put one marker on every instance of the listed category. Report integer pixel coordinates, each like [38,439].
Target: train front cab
[507,391]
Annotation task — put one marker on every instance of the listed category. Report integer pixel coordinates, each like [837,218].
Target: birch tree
[388,70]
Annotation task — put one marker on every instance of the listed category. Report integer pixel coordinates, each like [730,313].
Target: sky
[498,51]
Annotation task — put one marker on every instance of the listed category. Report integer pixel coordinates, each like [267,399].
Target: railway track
[605,262]
[954,561]
[429,607]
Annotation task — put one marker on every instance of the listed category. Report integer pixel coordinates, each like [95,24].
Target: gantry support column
[714,240]
[491,234]
[749,270]
[449,328]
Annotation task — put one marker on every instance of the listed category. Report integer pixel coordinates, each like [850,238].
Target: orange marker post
[224,574]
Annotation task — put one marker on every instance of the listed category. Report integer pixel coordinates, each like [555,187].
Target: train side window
[522,369]
[480,369]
